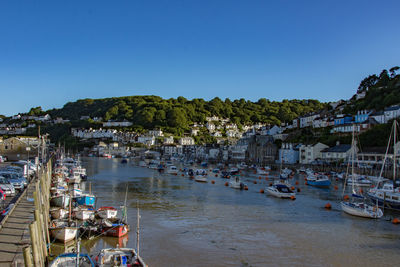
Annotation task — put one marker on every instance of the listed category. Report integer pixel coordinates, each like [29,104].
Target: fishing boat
[318,180]
[107,212]
[122,256]
[62,231]
[116,228]
[60,201]
[84,213]
[357,206]
[280,190]
[72,259]
[235,183]
[85,199]
[58,213]
[119,257]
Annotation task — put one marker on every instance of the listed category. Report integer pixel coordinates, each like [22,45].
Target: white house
[336,153]
[213,153]
[147,140]
[186,141]
[194,131]
[309,153]
[392,112]
[168,140]
[210,127]
[379,117]
[156,133]
[306,121]
[217,134]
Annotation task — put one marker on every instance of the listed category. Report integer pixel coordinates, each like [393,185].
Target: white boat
[71,259]
[60,201]
[172,170]
[84,214]
[387,194]
[235,183]
[58,213]
[200,176]
[280,190]
[62,232]
[110,257]
[107,212]
[358,181]
[361,210]
[355,206]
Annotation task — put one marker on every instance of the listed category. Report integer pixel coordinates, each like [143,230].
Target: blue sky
[53,52]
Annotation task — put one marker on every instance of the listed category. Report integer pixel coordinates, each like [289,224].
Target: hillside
[155,112]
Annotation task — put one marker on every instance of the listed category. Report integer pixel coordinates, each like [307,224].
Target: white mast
[137,230]
[394,155]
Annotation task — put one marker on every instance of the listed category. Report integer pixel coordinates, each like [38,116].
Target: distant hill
[153,111]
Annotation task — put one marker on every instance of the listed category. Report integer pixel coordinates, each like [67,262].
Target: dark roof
[392,108]
[339,148]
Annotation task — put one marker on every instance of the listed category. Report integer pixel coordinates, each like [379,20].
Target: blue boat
[318,181]
[70,259]
[85,199]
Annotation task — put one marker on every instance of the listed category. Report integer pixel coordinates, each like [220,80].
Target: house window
[5,147]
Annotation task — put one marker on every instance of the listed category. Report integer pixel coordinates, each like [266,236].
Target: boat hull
[63,234]
[116,230]
[85,200]
[361,212]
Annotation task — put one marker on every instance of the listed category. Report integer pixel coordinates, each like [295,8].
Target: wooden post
[28,256]
[35,249]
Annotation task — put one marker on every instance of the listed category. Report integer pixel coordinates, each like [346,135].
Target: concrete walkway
[14,234]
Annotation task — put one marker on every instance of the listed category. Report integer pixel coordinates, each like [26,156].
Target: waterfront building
[261,149]
[169,140]
[288,154]
[340,152]
[156,133]
[306,121]
[379,117]
[362,116]
[391,113]
[117,124]
[309,153]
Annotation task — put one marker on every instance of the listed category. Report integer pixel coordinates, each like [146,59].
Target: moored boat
[72,259]
[107,212]
[280,190]
[119,257]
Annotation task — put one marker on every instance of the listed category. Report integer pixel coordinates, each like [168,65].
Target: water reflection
[182,221]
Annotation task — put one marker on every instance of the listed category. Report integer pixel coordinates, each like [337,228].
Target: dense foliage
[380,92]
[174,114]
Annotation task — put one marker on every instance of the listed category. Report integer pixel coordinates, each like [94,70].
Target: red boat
[116,229]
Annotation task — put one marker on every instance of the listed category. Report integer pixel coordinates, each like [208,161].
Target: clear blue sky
[52,52]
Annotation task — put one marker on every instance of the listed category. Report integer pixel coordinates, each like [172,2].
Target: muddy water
[184,223]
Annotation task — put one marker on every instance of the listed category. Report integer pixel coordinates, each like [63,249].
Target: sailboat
[354,206]
[387,194]
[280,188]
[117,227]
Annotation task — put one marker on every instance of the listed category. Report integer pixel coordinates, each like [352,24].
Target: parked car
[14,179]
[7,187]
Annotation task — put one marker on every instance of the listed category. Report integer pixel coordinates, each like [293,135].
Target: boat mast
[137,230]
[394,155]
[352,161]
[125,218]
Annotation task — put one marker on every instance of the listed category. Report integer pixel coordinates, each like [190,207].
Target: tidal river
[185,223]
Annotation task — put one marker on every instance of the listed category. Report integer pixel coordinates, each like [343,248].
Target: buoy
[213,182]
[183,175]
[262,191]
[246,188]
[328,206]
[255,182]
[305,179]
[395,221]
[259,177]
[255,172]
[346,197]
[292,197]
[216,175]
[337,179]
[266,178]
[361,190]
[298,190]
[305,183]
[297,182]
[292,188]
[226,184]
[175,174]
[335,187]
[270,184]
